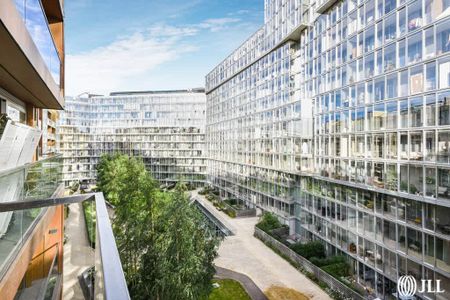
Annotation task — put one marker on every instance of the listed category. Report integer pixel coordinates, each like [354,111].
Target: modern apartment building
[31,80]
[336,116]
[165,128]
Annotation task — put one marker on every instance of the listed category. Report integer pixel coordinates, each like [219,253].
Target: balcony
[29,55]
[103,280]
[32,181]
[324,5]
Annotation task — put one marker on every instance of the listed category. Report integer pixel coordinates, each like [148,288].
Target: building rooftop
[132,93]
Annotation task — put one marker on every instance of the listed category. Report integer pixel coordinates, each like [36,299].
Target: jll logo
[407,286]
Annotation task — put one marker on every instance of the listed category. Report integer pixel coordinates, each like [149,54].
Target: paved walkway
[250,287]
[78,255]
[246,254]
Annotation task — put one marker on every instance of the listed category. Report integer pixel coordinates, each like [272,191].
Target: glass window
[430,102]
[443,220]
[402,21]
[414,213]
[401,53]
[380,10]
[379,89]
[369,42]
[389,58]
[443,150]
[389,5]
[416,80]
[390,29]
[403,90]
[391,144]
[401,238]
[361,93]
[430,83]
[391,86]
[415,15]
[415,48]
[391,177]
[369,118]
[443,183]
[416,112]
[379,117]
[444,73]
[443,104]
[429,43]
[389,230]
[430,145]
[442,254]
[434,9]
[404,146]
[380,38]
[404,114]
[391,121]
[370,65]
[443,37]
[378,146]
[414,246]
[369,93]
[429,249]
[416,149]
[379,62]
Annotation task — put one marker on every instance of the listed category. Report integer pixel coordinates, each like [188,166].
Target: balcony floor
[78,255]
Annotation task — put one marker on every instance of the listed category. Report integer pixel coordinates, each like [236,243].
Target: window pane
[415,48]
[415,15]
[443,37]
[443,183]
[416,112]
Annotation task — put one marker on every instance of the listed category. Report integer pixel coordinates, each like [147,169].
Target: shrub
[268,222]
[337,270]
[321,262]
[90,220]
[311,249]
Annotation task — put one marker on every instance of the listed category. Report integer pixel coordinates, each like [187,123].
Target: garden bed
[90,220]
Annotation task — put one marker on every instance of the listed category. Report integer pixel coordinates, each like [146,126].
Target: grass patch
[90,219]
[229,289]
[282,293]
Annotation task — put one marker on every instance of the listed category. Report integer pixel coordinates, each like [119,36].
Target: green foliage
[337,270]
[166,250]
[321,262]
[228,289]
[310,249]
[268,222]
[90,220]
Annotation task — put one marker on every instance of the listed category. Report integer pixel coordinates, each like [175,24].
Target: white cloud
[128,59]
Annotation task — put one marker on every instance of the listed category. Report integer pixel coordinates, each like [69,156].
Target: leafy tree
[268,222]
[165,248]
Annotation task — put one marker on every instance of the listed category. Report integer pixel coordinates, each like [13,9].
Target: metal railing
[109,278]
[302,262]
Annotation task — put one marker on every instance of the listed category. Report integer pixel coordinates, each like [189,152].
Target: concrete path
[78,255]
[250,287]
[246,254]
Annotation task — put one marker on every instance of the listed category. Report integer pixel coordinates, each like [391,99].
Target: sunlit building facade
[165,128]
[339,121]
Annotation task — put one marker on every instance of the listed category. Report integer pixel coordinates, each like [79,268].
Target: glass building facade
[166,129]
[336,116]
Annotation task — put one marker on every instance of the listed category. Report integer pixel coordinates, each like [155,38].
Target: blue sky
[118,45]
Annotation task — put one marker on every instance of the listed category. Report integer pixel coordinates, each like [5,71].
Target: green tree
[165,247]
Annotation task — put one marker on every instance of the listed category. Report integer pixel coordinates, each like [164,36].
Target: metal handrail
[114,283]
[28,165]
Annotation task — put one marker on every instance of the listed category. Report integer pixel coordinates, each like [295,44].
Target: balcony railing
[106,279]
[38,180]
[36,22]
